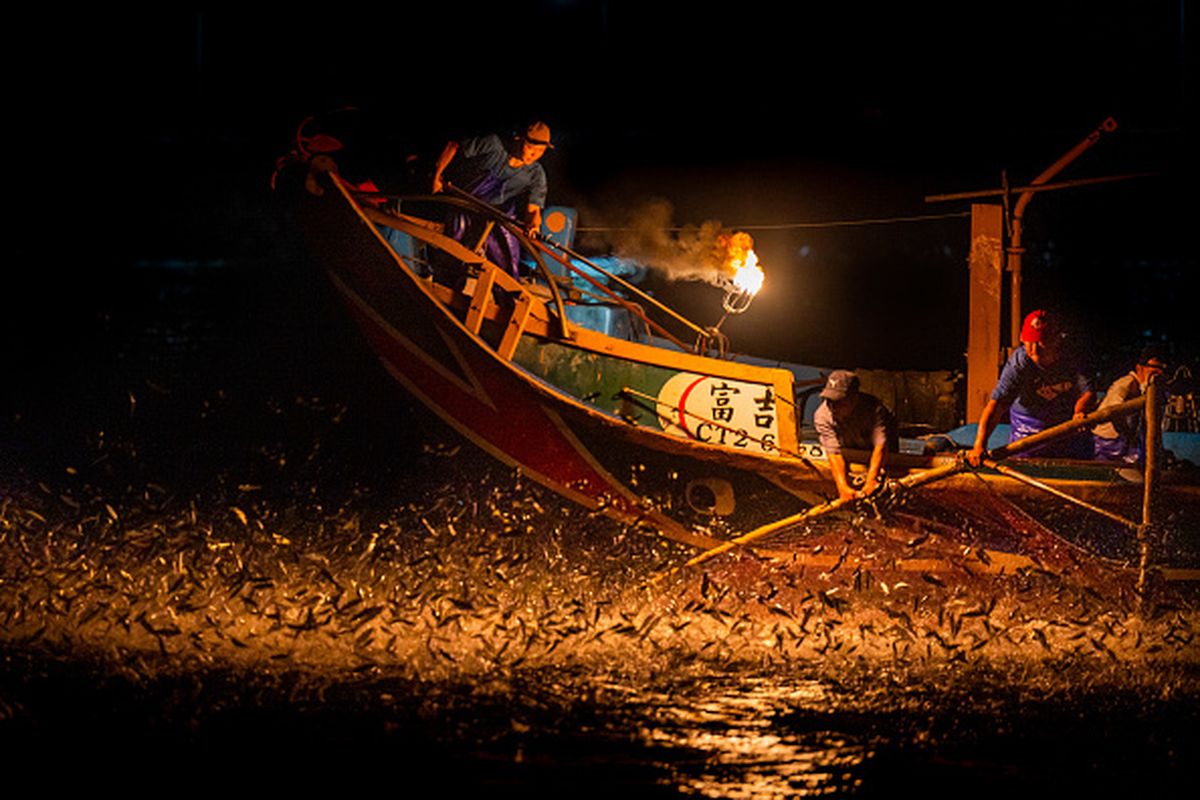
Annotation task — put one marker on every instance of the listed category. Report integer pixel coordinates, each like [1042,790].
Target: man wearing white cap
[854,420]
[506,175]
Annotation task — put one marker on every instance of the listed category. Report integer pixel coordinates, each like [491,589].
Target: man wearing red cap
[1041,387]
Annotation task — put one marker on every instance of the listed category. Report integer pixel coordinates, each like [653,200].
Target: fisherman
[506,175]
[854,420]
[1041,386]
[1123,438]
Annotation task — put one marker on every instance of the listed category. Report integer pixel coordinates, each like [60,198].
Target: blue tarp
[1185,446]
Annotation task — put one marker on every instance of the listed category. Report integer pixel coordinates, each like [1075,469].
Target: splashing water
[300,582]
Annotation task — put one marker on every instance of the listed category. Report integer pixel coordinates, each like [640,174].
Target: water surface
[224,534]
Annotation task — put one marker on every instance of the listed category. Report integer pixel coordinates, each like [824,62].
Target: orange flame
[749,276]
[741,262]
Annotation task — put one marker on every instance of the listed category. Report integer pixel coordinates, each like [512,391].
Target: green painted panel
[708,408]
[593,378]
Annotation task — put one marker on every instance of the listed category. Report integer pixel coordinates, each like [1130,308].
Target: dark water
[233,555]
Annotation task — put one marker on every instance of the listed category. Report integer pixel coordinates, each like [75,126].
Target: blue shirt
[867,425]
[1039,396]
[481,167]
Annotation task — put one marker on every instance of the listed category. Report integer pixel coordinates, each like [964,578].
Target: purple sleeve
[823,422]
[884,422]
[1009,384]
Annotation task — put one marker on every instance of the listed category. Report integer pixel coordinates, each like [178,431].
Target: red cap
[1037,326]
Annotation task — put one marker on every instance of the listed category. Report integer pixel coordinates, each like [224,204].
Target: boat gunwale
[793,469]
[779,379]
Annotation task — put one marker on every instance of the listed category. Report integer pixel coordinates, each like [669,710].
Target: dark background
[150,139]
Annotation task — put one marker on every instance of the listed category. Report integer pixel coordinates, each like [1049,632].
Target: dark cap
[840,384]
[538,133]
[1153,356]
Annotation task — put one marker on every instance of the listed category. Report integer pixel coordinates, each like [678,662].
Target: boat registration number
[719,411]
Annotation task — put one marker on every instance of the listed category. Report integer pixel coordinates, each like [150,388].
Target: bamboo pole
[617,279]
[920,478]
[628,305]
[1153,442]
[913,480]
[1017,475]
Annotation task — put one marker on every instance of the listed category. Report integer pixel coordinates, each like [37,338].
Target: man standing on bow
[506,175]
[850,419]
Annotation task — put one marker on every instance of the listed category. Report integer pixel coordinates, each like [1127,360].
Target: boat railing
[493,217]
[539,250]
[566,257]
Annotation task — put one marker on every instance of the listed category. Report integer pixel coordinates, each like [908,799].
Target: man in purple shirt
[505,174]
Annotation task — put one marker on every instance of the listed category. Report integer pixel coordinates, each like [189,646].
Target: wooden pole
[1153,446]
[984,342]
[1021,477]
[919,479]
[915,479]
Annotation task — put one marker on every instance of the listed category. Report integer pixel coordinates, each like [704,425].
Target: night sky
[152,137]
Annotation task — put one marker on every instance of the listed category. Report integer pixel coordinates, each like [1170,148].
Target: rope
[1039,525]
[625,390]
[799,225]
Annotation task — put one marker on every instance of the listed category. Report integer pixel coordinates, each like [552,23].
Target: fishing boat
[573,376]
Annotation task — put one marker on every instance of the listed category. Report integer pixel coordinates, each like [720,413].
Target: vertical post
[986,291]
[1015,248]
[1153,447]
[487,231]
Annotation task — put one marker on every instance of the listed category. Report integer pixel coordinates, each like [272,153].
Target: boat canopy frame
[539,249]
